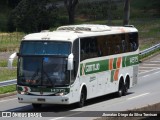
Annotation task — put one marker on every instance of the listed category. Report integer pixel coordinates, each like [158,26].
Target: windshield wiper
[35,74]
[49,79]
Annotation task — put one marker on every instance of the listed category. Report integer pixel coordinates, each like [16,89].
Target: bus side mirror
[70,62]
[10,60]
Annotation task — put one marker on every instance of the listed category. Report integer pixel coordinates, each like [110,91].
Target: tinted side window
[108,45]
[88,48]
[133,39]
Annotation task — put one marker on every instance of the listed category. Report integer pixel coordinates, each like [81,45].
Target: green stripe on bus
[115,63]
[94,67]
[124,62]
[112,75]
[103,65]
[132,60]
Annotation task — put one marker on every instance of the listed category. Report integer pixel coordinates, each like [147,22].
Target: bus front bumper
[43,99]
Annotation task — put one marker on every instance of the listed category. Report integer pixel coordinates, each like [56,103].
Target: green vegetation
[4,63]
[10,41]
[7,89]
[7,74]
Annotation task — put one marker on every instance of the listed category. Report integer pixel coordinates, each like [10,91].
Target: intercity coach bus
[76,63]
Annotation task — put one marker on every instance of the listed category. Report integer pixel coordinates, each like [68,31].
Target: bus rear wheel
[125,88]
[120,89]
[36,106]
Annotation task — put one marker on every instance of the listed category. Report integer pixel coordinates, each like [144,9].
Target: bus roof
[72,32]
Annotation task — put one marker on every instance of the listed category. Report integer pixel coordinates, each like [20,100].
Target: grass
[3,63]
[10,41]
[7,74]
[7,89]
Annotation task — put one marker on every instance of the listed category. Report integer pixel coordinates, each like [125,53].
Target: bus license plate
[41,99]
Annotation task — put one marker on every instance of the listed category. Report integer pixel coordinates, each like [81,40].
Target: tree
[109,12]
[71,5]
[34,15]
[13,3]
[126,12]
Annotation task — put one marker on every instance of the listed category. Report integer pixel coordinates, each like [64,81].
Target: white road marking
[146,76]
[137,96]
[156,72]
[149,64]
[67,116]
[148,67]
[154,61]
[8,100]
[150,74]
[142,70]
[57,118]
[150,71]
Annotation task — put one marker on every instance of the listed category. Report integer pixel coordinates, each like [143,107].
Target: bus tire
[120,89]
[36,106]
[126,86]
[82,98]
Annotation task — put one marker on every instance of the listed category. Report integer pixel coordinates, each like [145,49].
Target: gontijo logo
[133,60]
[92,67]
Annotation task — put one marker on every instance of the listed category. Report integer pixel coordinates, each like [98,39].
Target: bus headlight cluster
[23,93]
[60,94]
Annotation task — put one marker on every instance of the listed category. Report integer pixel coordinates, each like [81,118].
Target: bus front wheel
[82,99]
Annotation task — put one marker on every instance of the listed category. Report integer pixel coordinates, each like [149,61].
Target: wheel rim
[121,89]
[126,88]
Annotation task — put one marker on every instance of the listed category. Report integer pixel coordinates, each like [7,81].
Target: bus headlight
[23,93]
[60,94]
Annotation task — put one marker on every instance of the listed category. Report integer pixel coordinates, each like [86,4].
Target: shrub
[34,15]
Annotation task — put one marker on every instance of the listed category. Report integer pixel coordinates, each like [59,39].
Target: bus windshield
[45,48]
[43,71]
[43,64]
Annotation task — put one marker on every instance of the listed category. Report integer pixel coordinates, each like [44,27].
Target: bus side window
[131,47]
[133,38]
[134,46]
[99,52]
[117,49]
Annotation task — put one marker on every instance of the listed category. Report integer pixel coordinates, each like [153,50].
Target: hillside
[91,10]
[4,13]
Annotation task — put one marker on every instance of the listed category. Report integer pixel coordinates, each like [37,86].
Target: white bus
[76,63]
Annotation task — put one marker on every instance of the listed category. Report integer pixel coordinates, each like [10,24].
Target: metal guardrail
[8,82]
[148,50]
[142,53]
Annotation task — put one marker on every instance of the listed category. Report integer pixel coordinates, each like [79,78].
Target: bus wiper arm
[49,79]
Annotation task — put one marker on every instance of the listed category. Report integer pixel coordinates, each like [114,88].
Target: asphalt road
[146,92]
[152,63]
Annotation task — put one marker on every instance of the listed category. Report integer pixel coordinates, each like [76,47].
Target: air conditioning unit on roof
[85,27]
